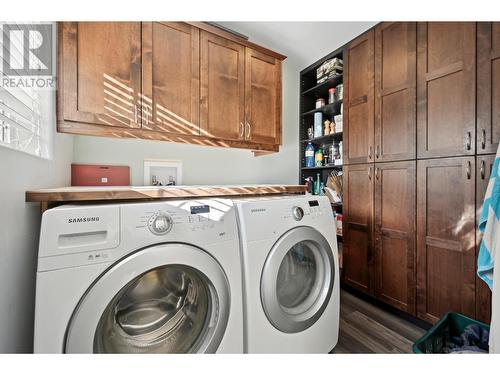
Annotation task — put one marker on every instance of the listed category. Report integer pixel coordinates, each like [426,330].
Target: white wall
[204,164]
[19,231]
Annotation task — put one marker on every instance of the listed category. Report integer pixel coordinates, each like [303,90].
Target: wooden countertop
[109,193]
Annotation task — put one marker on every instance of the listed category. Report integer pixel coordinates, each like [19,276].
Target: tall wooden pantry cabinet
[417,164]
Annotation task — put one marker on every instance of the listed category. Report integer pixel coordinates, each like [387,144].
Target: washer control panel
[174,220]
[160,223]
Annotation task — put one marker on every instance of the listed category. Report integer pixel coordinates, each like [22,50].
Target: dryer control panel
[267,218]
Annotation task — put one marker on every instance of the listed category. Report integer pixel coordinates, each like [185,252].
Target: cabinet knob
[377,151]
[370,173]
[482,169]
[249,131]
[370,149]
[242,130]
[468,140]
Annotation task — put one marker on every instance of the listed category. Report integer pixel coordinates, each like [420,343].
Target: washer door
[171,298]
[297,279]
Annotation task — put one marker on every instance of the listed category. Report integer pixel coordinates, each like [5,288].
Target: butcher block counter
[52,197]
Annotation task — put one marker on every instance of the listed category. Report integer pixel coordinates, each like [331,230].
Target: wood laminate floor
[366,328]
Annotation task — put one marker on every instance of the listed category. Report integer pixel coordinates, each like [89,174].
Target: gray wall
[203,164]
[19,232]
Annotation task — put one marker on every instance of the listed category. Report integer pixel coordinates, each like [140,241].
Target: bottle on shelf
[318,157]
[309,154]
[331,95]
[317,185]
[318,124]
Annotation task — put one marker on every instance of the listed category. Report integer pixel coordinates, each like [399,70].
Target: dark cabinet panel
[171,86]
[484,166]
[358,221]
[359,100]
[395,234]
[488,87]
[395,91]
[446,89]
[101,74]
[445,237]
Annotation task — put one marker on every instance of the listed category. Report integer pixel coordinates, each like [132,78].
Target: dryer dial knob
[298,213]
[160,224]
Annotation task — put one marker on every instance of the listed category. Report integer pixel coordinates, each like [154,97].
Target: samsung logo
[83,219]
[258,210]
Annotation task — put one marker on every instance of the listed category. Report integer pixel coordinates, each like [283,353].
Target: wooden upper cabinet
[222,112]
[171,82]
[187,82]
[446,265]
[395,257]
[358,100]
[262,98]
[358,221]
[395,91]
[488,87]
[101,73]
[446,89]
[484,167]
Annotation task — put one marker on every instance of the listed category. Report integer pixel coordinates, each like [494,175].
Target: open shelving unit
[310,91]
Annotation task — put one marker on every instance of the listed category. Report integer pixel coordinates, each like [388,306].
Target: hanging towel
[489,250]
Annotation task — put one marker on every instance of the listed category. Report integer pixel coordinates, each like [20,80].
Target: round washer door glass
[165,310]
[171,298]
[297,279]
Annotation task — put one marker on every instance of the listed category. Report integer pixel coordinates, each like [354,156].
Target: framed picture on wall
[159,172]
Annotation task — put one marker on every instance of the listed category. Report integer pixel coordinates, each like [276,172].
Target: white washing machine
[161,277]
[291,274]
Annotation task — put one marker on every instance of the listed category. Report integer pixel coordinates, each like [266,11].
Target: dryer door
[171,298]
[297,279]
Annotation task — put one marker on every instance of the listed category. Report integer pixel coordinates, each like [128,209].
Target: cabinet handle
[370,149]
[249,129]
[377,151]
[482,169]
[135,113]
[370,173]
[468,170]
[242,130]
[377,170]
[468,140]
[483,138]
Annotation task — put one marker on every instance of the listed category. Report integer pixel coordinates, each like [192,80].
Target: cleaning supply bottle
[318,157]
[309,155]
[317,185]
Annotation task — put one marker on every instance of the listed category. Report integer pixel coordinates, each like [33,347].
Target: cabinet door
[171,85]
[395,91]
[358,223]
[488,87]
[101,72]
[484,166]
[263,98]
[222,112]
[445,237]
[359,105]
[445,89]
[395,259]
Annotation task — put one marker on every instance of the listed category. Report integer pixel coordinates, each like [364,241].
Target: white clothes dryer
[291,274]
